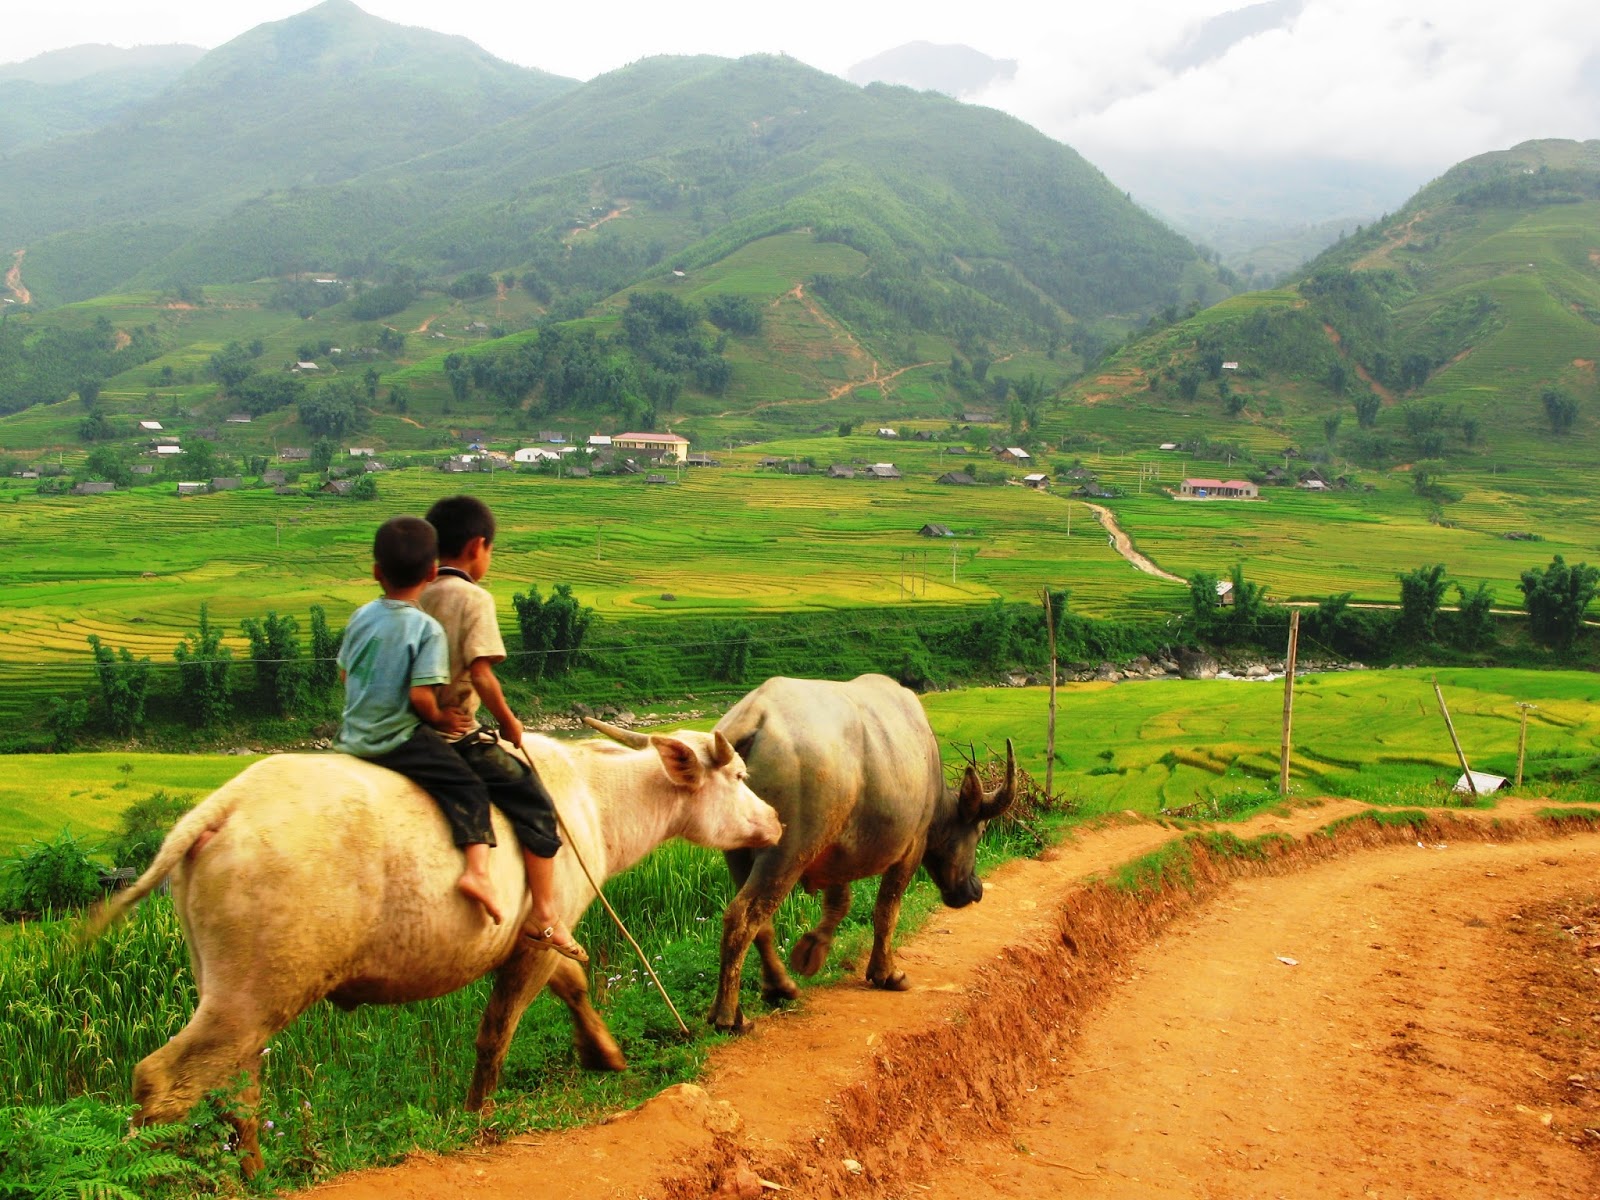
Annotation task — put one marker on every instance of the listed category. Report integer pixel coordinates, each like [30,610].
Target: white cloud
[1422,81]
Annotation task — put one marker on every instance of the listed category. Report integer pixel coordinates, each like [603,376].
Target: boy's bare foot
[479,888]
[555,936]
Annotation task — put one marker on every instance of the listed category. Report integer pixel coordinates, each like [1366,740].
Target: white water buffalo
[853,771]
[312,876]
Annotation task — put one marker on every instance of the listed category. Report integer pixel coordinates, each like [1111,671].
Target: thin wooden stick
[1288,701]
[566,836]
[1472,784]
[1050,729]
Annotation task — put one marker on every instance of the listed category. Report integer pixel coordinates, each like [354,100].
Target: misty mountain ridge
[954,70]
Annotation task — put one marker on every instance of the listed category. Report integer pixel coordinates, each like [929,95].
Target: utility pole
[1288,701]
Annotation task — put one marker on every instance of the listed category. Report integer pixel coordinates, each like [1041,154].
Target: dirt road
[14,283]
[1388,1011]
[1123,544]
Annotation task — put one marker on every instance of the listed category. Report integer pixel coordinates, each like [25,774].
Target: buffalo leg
[597,1049]
[748,912]
[776,986]
[881,971]
[516,983]
[811,951]
[207,1054]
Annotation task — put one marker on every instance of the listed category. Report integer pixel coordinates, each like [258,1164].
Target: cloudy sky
[1427,82]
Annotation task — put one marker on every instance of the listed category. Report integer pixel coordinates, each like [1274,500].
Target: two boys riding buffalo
[803,781]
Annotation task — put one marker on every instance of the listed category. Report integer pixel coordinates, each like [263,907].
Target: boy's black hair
[405,550]
[459,519]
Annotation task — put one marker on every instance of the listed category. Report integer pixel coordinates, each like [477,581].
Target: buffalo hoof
[778,993]
[601,1058]
[737,1025]
[892,983]
[809,954]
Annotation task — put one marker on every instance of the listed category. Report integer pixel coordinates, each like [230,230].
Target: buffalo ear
[970,803]
[682,764]
[721,749]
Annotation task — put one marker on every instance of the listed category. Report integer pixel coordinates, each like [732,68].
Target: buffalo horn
[997,801]
[628,737]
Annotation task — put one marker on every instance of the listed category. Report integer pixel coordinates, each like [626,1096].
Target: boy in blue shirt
[393,659]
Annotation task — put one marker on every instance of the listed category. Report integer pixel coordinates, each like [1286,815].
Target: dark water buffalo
[853,772]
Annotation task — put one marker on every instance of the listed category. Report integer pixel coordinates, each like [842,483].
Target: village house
[167,451]
[957,479]
[931,530]
[885,432]
[338,487]
[238,418]
[193,487]
[294,454]
[702,460]
[797,468]
[1218,489]
[599,441]
[535,454]
[1015,454]
[273,477]
[665,447]
[362,451]
[659,479]
[150,426]
[838,471]
[978,417]
[883,471]
[1039,482]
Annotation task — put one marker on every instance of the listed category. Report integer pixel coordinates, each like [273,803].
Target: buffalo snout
[968,891]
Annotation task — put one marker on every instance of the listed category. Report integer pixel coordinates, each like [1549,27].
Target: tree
[1189,384]
[204,669]
[1330,427]
[200,460]
[365,488]
[1556,598]
[105,463]
[1560,409]
[65,720]
[275,652]
[322,452]
[88,391]
[552,630]
[333,412]
[322,672]
[1473,626]
[370,378]
[732,654]
[124,686]
[1421,593]
[460,377]
[1367,406]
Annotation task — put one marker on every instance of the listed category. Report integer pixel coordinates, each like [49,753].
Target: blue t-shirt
[389,648]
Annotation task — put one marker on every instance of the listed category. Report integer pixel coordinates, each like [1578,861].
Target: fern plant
[83,1151]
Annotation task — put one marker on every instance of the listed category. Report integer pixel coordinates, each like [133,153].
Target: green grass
[41,794]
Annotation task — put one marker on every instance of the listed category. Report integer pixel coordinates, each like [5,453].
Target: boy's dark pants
[466,777]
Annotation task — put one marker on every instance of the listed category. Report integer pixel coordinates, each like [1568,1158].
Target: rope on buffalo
[566,836]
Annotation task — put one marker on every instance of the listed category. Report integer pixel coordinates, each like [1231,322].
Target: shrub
[275,651]
[65,719]
[145,824]
[50,875]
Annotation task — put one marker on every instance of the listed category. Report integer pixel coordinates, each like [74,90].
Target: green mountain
[75,90]
[1465,329]
[321,97]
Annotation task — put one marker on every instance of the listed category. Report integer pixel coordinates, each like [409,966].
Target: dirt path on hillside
[14,283]
[1362,373]
[1387,1011]
[1124,544]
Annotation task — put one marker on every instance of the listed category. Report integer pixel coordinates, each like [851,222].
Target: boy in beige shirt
[466,546]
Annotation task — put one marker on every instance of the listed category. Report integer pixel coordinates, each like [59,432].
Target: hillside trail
[1381,1013]
[1124,544]
[1362,373]
[14,283]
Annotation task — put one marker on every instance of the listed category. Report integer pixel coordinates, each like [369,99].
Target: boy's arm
[488,689]
[425,700]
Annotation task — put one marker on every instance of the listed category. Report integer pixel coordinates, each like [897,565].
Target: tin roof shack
[193,487]
[1039,483]
[957,479]
[932,530]
[1015,454]
[883,471]
[1218,489]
